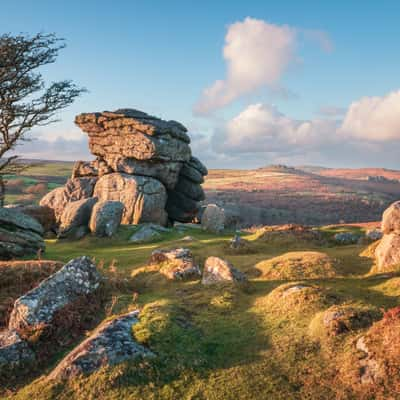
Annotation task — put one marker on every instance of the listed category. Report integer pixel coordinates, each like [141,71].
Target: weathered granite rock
[387,252]
[75,189]
[144,198]
[190,189]
[213,219]
[106,218]
[76,214]
[148,233]
[20,234]
[167,172]
[133,134]
[218,270]
[391,219]
[42,214]
[191,173]
[78,277]
[112,343]
[176,264]
[15,353]
[93,168]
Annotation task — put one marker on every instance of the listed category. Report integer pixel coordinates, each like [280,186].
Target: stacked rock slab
[142,161]
[387,253]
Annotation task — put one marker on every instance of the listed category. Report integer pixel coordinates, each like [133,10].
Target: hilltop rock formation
[141,161]
[387,253]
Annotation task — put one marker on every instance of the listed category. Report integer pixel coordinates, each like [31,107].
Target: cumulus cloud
[368,130]
[256,54]
[373,118]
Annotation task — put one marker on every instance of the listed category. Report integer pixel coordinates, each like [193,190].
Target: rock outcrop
[112,343]
[142,161]
[387,253]
[217,270]
[37,307]
[106,217]
[20,234]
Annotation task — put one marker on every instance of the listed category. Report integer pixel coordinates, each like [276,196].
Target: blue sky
[160,56]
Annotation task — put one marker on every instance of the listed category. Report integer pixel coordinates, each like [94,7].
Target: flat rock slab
[148,233]
[112,343]
[14,218]
[218,270]
[14,352]
[78,277]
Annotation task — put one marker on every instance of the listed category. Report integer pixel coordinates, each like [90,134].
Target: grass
[225,341]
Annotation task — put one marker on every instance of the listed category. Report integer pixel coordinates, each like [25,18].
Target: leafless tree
[25,101]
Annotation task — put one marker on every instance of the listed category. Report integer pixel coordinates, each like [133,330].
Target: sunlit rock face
[142,161]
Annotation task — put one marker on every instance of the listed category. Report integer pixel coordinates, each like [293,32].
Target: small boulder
[76,214]
[148,233]
[387,253]
[106,218]
[219,270]
[176,264]
[391,219]
[37,307]
[15,353]
[213,218]
[346,238]
[112,343]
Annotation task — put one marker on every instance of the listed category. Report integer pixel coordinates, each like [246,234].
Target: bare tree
[25,101]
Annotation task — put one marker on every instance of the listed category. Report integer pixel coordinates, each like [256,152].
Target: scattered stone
[20,234]
[176,264]
[219,270]
[148,233]
[76,217]
[346,238]
[238,242]
[111,344]
[188,239]
[106,218]
[15,353]
[213,219]
[374,234]
[78,277]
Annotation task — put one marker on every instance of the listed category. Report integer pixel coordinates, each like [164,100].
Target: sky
[256,82]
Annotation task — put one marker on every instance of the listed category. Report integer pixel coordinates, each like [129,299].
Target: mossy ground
[223,342]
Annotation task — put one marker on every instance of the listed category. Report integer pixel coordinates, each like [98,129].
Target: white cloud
[256,53]
[369,130]
[373,118]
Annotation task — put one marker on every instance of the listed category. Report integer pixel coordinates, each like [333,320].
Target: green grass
[224,342]
[49,169]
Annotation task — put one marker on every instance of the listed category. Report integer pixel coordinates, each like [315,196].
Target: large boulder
[176,264]
[106,218]
[36,308]
[76,216]
[15,353]
[213,218]
[217,270]
[20,234]
[75,189]
[387,253]
[143,198]
[112,343]
[391,219]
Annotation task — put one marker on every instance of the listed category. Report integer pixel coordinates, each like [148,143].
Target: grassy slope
[219,342]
